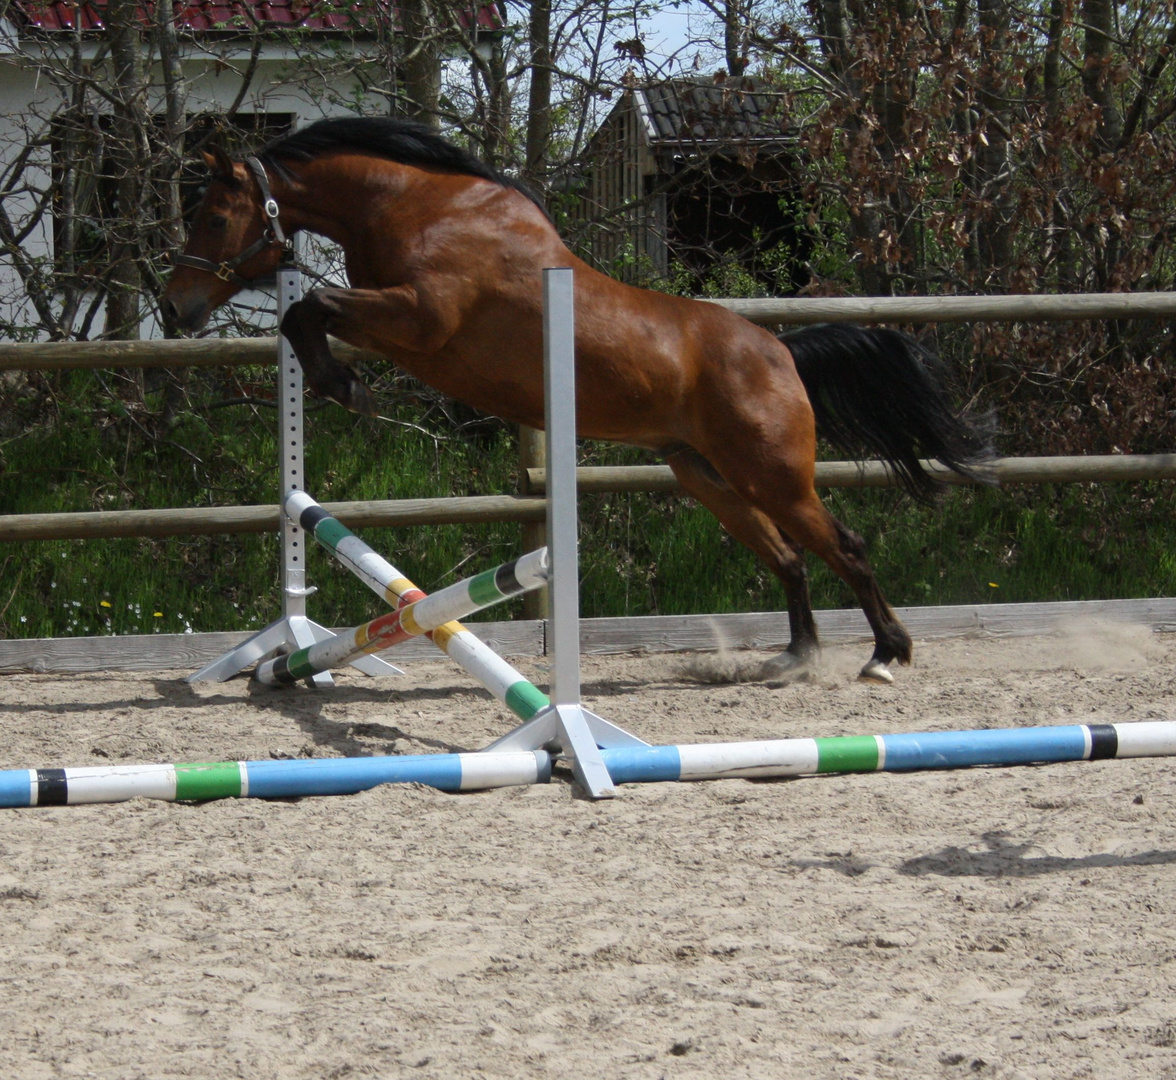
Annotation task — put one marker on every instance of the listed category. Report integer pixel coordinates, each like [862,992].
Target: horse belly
[507,386]
[510,386]
[631,381]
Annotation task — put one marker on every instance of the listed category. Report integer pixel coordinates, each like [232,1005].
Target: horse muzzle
[185,314]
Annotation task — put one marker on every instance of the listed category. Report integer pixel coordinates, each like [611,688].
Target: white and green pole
[459,644]
[422,616]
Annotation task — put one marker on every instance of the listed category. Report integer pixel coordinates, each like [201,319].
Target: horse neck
[326,195]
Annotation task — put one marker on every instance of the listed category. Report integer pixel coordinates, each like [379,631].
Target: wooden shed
[686,175]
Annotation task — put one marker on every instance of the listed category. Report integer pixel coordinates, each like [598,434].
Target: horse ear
[221,164]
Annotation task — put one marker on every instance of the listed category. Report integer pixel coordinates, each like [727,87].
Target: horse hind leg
[305,326]
[844,552]
[779,530]
[755,530]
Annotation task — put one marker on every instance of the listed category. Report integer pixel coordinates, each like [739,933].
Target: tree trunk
[993,235]
[1097,71]
[174,122]
[495,134]
[539,94]
[126,166]
[735,36]
[835,36]
[421,64]
[1060,241]
[1097,81]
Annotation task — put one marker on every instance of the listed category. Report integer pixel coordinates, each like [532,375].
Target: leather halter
[272,234]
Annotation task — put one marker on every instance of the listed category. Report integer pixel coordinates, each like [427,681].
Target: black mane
[405,141]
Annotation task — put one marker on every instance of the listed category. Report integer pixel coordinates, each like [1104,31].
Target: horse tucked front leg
[756,531]
[305,327]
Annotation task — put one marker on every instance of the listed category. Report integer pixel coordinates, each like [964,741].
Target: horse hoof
[876,671]
[785,666]
[357,398]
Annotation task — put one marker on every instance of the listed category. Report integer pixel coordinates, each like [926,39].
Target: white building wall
[30,97]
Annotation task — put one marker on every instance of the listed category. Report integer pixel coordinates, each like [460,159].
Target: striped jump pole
[410,620]
[269,779]
[470,653]
[891,753]
[626,765]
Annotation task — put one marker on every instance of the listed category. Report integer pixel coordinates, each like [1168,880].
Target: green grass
[640,554]
[1033,544]
[1020,545]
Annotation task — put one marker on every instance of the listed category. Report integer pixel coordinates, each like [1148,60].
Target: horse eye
[217,221]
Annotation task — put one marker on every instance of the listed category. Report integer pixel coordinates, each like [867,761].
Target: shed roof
[712,110]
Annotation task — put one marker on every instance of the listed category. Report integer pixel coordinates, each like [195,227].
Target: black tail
[879,392]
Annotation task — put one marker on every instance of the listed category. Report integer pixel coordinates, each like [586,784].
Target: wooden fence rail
[516,638]
[219,352]
[154,353]
[955,309]
[1093,469]
[532,508]
[529,507]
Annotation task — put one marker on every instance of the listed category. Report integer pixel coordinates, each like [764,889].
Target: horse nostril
[171,315]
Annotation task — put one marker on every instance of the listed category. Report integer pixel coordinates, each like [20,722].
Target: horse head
[235,239]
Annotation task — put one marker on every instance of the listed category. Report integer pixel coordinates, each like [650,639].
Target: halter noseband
[272,234]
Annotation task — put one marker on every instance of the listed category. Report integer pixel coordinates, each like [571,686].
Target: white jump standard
[293,630]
